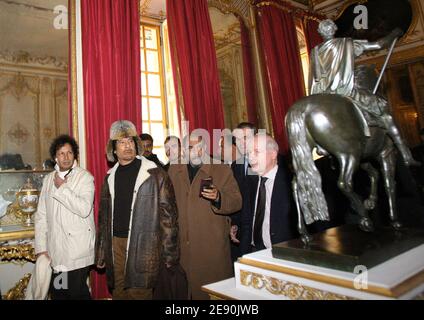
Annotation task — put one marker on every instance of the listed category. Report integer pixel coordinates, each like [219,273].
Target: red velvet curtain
[310,28]
[112,88]
[249,75]
[70,63]
[194,62]
[278,39]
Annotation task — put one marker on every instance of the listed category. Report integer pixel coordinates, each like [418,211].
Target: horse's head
[365,77]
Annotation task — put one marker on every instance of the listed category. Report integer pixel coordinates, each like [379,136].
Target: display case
[19,191]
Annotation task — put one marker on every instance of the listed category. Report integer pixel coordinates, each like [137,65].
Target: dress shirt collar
[271,173]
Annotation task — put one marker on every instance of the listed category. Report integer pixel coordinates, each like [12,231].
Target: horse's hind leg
[348,165]
[388,166]
[301,227]
[373,174]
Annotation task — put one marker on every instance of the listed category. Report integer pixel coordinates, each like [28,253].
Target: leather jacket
[153,238]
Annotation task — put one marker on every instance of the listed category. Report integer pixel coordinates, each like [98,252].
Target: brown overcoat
[204,229]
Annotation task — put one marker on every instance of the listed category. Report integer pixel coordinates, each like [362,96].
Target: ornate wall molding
[293,291]
[230,37]
[48,94]
[238,7]
[18,85]
[25,58]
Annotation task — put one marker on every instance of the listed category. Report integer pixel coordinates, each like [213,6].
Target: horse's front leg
[301,227]
[371,202]
[388,166]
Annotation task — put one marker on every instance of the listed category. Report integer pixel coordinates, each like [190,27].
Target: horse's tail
[311,197]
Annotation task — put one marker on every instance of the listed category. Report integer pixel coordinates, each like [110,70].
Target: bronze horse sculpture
[332,124]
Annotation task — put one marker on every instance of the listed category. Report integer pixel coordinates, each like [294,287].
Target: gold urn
[27,198]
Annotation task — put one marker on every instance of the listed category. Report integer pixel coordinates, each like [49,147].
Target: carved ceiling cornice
[237,7]
[146,11]
[144,6]
[24,58]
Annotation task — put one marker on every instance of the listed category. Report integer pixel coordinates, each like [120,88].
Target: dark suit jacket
[153,157]
[246,183]
[283,218]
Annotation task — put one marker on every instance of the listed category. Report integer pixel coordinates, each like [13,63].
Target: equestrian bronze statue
[344,118]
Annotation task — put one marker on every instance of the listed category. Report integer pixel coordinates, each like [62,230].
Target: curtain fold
[195,64]
[249,75]
[310,28]
[112,83]
[280,51]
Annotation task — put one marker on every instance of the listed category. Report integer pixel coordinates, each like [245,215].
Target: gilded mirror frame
[246,11]
[18,232]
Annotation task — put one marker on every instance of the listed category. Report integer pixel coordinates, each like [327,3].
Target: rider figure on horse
[333,71]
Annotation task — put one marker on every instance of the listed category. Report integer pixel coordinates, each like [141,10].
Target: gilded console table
[17,245]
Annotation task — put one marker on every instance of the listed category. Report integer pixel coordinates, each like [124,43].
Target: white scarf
[62,174]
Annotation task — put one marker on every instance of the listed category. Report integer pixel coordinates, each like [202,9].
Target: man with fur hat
[138,228]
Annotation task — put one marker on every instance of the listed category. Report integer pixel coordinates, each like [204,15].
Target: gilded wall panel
[33,106]
[227,37]
[19,109]
[232,84]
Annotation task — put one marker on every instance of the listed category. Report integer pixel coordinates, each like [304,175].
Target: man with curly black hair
[64,222]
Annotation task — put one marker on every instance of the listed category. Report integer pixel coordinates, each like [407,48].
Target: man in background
[227,149]
[147,145]
[245,180]
[172,150]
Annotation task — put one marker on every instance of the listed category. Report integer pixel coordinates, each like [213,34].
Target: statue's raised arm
[364,45]
[332,71]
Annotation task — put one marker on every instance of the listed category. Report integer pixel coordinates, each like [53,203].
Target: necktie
[245,166]
[260,213]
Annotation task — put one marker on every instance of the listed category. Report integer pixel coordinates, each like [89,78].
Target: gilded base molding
[18,252]
[288,289]
[18,291]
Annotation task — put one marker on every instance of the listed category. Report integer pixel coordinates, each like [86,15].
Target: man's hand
[44,253]
[233,234]
[58,181]
[211,193]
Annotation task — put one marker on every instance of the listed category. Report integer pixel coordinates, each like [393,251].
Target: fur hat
[118,130]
